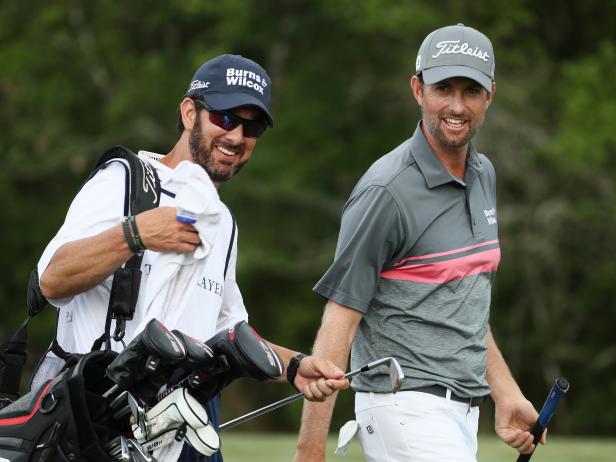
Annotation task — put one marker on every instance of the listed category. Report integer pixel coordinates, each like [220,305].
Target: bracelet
[131,234]
[135,233]
[128,237]
[293,367]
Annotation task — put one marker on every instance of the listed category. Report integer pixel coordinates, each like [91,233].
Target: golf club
[396,376]
[560,387]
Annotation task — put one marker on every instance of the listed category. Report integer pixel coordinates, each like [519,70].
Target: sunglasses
[228,120]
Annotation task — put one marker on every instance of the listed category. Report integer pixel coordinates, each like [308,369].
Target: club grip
[560,387]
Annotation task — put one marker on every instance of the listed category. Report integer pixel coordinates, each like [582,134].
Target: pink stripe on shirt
[448,270]
[447,252]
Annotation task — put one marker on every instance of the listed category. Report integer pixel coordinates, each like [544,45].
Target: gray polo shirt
[417,254]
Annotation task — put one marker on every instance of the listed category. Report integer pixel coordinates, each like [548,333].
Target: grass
[266,447]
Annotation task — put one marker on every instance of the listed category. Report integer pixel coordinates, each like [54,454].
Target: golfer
[416,257]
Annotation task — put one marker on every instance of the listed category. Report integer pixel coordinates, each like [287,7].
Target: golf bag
[66,419]
[84,411]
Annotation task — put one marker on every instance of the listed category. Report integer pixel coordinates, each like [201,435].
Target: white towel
[174,276]
[346,434]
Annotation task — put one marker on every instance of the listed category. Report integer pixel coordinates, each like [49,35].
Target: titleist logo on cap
[453,47]
[198,84]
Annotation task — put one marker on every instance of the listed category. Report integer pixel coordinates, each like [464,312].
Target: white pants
[414,426]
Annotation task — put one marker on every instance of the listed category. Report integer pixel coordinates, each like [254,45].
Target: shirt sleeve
[232,310]
[369,235]
[97,207]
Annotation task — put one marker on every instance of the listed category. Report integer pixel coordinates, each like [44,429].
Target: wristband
[293,366]
[135,234]
[128,236]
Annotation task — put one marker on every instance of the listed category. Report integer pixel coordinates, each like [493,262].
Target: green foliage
[587,111]
[77,76]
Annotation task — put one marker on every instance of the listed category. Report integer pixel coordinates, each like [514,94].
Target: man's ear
[417,89]
[490,95]
[189,112]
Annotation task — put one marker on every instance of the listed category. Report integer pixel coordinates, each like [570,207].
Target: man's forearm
[316,416]
[285,355]
[514,415]
[316,419]
[502,384]
[333,342]
[82,264]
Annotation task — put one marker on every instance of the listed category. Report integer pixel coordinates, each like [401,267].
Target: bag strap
[13,358]
[142,192]
[13,351]
[142,182]
[230,243]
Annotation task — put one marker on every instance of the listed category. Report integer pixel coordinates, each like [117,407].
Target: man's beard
[433,126]
[202,155]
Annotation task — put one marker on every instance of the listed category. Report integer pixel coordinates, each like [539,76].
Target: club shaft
[560,387]
[261,411]
[287,400]
[111,391]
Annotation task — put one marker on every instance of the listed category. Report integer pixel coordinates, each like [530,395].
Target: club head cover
[205,440]
[128,370]
[167,416]
[199,356]
[248,354]
[240,352]
[200,363]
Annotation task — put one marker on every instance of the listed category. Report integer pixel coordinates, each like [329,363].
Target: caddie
[188,268]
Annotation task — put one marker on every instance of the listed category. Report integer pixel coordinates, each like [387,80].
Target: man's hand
[513,422]
[319,378]
[160,231]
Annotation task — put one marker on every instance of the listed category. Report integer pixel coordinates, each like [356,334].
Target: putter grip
[560,387]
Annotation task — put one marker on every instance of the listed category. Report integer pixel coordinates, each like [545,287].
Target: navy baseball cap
[456,51]
[230,81]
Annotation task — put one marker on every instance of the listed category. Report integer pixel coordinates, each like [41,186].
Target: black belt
[440,391]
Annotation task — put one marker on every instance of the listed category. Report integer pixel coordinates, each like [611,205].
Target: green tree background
[77,76]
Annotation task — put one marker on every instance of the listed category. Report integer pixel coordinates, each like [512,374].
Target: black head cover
[199,356]
[247,353]
[253,354]
[240,352]
[145,364]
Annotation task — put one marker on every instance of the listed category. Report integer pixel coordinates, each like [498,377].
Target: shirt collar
[431,168]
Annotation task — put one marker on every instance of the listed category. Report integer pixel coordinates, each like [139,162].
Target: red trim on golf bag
[66,419]
[24,419]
